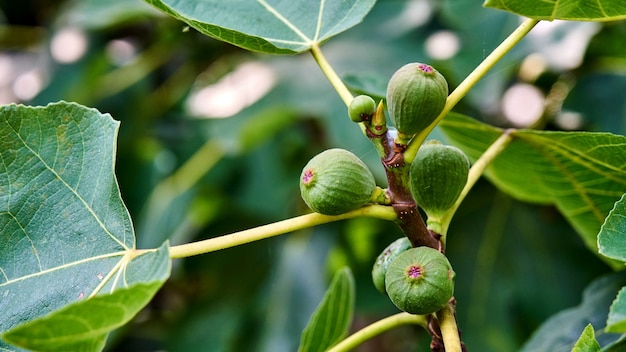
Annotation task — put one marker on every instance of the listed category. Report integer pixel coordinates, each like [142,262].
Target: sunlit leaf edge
[613,228]
[500,5]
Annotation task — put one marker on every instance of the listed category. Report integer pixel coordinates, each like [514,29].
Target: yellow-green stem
[475,173]
[470,81]
[449,329]
[332,76]
[378,328]
[275,229]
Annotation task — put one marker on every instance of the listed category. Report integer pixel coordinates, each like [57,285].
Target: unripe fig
[416,94]
[438,175]
[420,280]
[335,182]
[361,108]
[385,258]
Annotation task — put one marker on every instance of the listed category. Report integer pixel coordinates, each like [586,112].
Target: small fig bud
[385,258]
[416,94]
[438,174]
[361,108]
[335,182]
[420,280]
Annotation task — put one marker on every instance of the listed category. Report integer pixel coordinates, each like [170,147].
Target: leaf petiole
[275,229]
[330,73]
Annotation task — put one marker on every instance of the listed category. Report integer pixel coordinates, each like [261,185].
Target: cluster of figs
[418,280]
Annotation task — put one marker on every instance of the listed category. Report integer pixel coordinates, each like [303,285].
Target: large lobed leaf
[269,26]
[582,173]
[331,320]
[577,10]
[66,235]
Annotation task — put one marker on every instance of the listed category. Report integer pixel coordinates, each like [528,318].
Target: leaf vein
[117,278]
[602,8]
[320,16]
[554,9]
[32,243]
[106,279]
[577,186]
[64,266]
[284,41]
[74,191]
[339,23]
[284,20]
[590,163]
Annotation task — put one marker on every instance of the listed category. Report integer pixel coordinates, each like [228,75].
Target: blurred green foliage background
[242,125]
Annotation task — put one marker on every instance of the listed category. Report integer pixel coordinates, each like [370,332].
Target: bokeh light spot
[442,45]
[523,104]
[68,45]
[27,85]
[235,91]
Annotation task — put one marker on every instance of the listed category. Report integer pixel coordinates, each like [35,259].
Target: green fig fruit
[361,108]
[420,281]
[385,258]
[416,94]
[335,182]
[437,176]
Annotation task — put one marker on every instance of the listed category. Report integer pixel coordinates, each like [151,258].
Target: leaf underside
[268,26]
[582,173]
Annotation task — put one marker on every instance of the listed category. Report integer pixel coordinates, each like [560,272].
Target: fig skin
[385,258]
[335,182]
[416,94]
[420,281]
[361,108]
[437,176]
